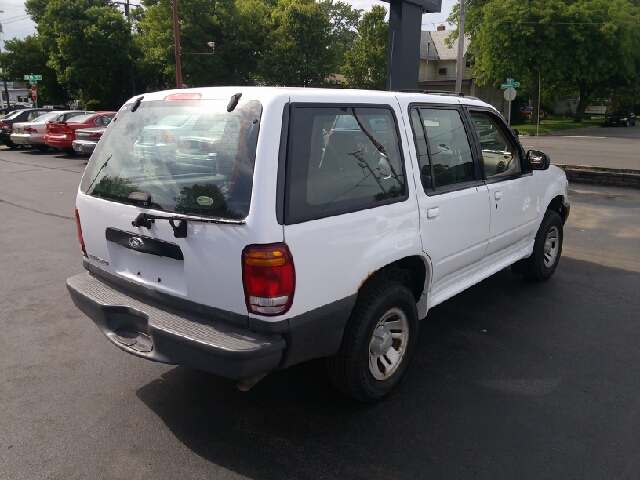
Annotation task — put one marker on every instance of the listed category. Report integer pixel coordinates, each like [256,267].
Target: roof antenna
[233,103]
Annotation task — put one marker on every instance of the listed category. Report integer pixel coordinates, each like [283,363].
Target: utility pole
[4,79]
[460,49]
[176,36]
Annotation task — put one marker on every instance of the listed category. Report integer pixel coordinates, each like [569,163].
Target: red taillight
[4,126]
[80,239]
[269,278]
[166,137]
[30,130]
[95,136]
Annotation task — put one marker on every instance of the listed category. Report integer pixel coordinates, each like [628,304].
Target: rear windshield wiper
[178,222]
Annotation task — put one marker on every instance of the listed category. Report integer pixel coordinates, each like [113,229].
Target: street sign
[510,94]
[33,78]
[510,85]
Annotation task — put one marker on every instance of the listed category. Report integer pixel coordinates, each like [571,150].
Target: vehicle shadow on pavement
[508,377]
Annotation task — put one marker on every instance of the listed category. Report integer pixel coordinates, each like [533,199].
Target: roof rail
[431,92]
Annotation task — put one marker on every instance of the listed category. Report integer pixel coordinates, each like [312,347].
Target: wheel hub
[381,341]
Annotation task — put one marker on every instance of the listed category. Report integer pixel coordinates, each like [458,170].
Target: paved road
[617,147]
[511,379]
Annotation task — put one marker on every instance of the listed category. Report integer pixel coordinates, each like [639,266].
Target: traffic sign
[510,94]
[34,96]
[510,85]
[33,78]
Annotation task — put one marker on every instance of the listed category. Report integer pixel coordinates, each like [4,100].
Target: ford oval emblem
[135,242]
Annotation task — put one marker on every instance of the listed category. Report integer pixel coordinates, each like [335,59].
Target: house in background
[438,66]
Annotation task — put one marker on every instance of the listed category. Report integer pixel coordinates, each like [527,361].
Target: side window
[448,146]
[341,159]
[499,156]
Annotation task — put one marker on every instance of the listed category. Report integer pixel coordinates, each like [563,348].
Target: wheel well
[409,271]
[557,205]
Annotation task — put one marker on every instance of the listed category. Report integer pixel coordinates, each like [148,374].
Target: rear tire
[378,342]
[546,250]
[42,148]
[10,144]
[70,151]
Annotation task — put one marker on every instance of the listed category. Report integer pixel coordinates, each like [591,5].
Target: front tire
[378,343]
[546,250]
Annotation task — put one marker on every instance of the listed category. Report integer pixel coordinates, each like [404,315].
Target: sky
[16,23]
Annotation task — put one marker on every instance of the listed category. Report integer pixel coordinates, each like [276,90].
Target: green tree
[238,28]
[572,45]
[90,48]
[366,63]
[26,56]
[344,21]
[298,51]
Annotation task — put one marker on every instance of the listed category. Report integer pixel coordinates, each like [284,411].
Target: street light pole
[176,35]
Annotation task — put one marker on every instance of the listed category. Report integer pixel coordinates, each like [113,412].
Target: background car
[528,111]
[32,133]
[87,139]
[62,134]
[620,117]
[12,108]
[25,115]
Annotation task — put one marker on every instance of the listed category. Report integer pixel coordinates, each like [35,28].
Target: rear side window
[341,159]
[184,156]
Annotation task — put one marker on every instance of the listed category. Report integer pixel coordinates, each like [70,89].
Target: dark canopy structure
[403,53]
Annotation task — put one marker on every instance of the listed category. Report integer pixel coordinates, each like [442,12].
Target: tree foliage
[570,45]
[298,47]
[27,56]
[366,63]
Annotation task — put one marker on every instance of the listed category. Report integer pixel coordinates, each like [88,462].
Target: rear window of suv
[184,156]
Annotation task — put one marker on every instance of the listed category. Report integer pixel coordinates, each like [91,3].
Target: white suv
[279,225]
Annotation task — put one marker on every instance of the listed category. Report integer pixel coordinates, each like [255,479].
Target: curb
[602,176]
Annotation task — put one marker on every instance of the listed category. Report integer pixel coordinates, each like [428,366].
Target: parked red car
[62,134]
[528,111]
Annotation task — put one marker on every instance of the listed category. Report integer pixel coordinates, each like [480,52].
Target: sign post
[510,94]
[33,81]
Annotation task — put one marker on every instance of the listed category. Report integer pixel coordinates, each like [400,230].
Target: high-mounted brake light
[183,96]
[269,278]
[80,239]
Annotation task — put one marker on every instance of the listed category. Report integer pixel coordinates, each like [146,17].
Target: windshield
[619,113]
[190,157]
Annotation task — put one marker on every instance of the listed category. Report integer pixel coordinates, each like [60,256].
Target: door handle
[433,212]
[498,196]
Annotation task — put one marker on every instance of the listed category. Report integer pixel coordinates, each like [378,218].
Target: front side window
[499,156]
[448,146]
[183,156]
[341,159]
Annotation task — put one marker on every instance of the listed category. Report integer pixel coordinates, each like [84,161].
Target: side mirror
[538,160]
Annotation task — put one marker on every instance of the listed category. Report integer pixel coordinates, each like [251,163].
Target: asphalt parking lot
[511,379]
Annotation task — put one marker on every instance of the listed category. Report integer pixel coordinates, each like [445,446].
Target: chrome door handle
[433,212]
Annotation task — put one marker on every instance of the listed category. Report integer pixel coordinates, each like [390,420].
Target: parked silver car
[32,133]
[87,139]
